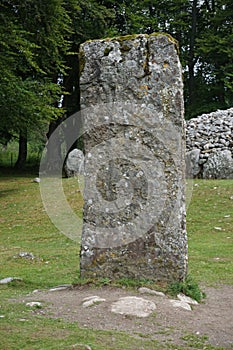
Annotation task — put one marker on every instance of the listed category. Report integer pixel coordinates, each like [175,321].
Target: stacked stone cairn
[209,145]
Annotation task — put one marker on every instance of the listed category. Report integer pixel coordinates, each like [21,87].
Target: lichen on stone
[134,225]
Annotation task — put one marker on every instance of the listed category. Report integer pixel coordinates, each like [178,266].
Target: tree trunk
[53,162]
[192,59]
[22,154]
[71,101]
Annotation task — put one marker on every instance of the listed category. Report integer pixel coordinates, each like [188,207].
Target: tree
[204,32]
[31,41]
[89,20]
[216,55]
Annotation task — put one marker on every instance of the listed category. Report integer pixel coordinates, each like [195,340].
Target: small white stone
[33,303]
[218,228]
[144,290]
[181,304]
[90,297]
[62,287]
[37,180]
[2,316]
[92,301]
[187,299]
[9,279]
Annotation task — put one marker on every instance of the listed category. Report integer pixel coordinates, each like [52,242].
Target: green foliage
[32,38]
[188,287]
[204,32]
[39,63]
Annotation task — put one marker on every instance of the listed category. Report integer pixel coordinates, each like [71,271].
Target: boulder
[219,166]
[74,163]
[133,306]
[192,163]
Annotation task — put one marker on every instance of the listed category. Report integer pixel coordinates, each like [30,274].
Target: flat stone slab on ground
[133,306]
[181,304]
[92,300]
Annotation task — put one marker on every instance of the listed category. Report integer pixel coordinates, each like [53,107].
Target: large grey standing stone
[134,203]
[133,306]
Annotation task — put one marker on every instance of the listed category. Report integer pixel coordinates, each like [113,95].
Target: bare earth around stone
[212,318]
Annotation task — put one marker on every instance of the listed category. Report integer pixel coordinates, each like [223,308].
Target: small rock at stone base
[37,180]
[133,306]
[181,304]
[90,301]
[33,303]
[62,287]
[144,290]
[25,255]
[187,299]
[9,279]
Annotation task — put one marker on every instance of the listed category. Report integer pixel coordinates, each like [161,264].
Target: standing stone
[74,163]
[134,204]
[192,163]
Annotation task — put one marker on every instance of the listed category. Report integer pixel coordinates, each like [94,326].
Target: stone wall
[134,205]
[209,142]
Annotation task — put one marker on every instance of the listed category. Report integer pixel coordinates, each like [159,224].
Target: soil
[213,317]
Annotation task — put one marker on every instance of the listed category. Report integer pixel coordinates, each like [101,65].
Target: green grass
[25,226]
[210,232]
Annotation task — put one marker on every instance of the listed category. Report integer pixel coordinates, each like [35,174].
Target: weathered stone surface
[92,300]
[181,304]
[209,142]
[134,205]
[74,163]
[187,299]
[34,303]
[61,287]
[144,290]
[192,163]
[219,166]
[133,306]
[9,279]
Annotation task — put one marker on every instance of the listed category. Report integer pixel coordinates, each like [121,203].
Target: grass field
[25,227]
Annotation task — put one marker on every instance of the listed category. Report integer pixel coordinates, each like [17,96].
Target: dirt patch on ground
[213,317]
